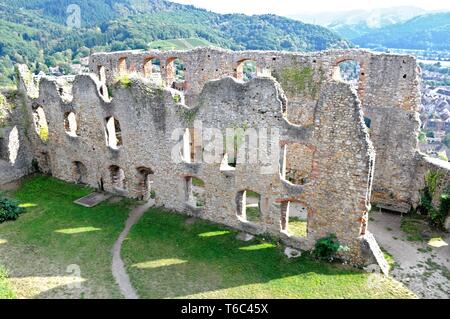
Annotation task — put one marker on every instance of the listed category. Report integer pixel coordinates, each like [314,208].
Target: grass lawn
[169,258]
[61,250]
[416,228]
[5,291]
[297,227]
[44,249]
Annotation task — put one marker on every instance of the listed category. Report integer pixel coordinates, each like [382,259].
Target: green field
[169,258]
[39,248]
[165,256]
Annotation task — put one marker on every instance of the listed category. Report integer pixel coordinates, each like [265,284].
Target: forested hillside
[425,32]
[35,31]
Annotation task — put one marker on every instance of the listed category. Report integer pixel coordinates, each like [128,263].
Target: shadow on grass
[54,234]
[186,263]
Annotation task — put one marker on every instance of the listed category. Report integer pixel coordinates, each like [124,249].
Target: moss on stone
[296,80]
[124,81]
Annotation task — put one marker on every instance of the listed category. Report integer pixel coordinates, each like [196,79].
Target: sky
[293,7]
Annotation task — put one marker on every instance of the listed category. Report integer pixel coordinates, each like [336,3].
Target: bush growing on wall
[436,215]
[327,247]
[9,210]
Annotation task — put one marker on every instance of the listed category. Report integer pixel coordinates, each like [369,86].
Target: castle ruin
[341,148]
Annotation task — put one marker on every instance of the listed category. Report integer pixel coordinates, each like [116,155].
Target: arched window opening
[195,192]
[113,133]
[294,219]
[296,162]
[152,70]
[102,77]
[145,180]
[40,123]
[102,74]
[122,66]
[175,73]
[248,206]
[117,177]
[246,70]
[70,124]
[79,172]
[348,71]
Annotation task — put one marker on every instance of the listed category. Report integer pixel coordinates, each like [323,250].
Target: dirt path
[118,267]
[420,266]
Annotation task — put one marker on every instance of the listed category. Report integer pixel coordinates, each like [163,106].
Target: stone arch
[176,73]
[246,69]
[144,182]
[248,206]
[79,172]
[350,70]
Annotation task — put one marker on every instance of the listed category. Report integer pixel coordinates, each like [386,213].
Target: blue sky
[292,7]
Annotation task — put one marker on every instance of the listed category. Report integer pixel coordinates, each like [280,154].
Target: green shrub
[9,210]
[177,98]
[436,215]
[327,247]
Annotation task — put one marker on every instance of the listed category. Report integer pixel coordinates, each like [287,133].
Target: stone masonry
[124,129]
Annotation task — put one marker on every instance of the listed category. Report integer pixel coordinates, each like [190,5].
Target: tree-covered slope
[35,31]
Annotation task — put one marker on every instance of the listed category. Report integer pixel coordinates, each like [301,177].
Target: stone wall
[130,123]
[15,151]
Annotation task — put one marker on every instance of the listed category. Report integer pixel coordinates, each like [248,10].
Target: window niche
[40,123]
[294,219]
[296,163]
[71,124]
[117,177]
[248,206]
[113,133]
[194,192]
[145,180]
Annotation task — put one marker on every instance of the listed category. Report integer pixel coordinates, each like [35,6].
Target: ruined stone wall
[387,89]
[391,102]
[329,161]
[15,151]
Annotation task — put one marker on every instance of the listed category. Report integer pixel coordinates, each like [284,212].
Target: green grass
[252,214]
[169,258]
[297,227]
[389,258]
[5,291]
[54,233]
[197,182]
[416,228]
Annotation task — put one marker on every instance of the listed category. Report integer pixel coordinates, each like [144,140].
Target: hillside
[355,23]
[426,32]
[35,31]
